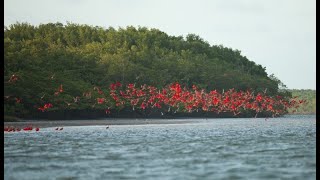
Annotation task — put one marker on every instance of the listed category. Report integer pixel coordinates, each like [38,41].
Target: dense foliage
[81,58]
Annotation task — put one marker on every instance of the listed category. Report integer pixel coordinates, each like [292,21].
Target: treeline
[307,94]
[82,57]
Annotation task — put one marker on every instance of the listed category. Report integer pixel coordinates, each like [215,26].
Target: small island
[55,71]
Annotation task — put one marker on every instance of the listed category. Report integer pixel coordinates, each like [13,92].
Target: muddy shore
[102,122]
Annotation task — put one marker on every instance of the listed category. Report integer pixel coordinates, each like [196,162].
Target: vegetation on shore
[39,60]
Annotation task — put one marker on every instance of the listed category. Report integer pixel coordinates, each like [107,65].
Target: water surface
[278,148]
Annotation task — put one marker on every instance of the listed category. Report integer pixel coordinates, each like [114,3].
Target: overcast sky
[278,34]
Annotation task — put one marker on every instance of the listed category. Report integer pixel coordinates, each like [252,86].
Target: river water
[276,148]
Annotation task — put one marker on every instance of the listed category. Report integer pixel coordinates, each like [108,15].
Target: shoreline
[21,123]
[96,122]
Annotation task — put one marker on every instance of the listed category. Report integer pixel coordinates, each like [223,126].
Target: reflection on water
[204,149]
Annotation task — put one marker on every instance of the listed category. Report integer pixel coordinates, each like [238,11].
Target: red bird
[13,78]
[28,128]
[18,100]
[143,105]
[37,129]
[259,98]
[101,100]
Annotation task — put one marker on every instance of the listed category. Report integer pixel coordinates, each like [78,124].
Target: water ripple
[280,148]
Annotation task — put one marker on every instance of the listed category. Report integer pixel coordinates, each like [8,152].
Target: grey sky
[278,34]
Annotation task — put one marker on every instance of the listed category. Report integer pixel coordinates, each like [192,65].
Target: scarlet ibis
[18,100]
[13,78]
[28,128]
[37,129]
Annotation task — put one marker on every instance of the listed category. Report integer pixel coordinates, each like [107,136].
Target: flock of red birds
[27,128]
[174,97]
